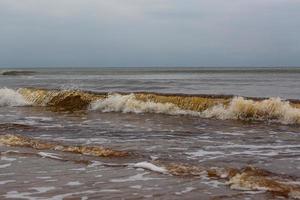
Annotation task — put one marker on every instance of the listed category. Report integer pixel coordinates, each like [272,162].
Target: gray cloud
[149,32]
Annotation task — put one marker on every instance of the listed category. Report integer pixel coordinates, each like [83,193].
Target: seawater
[267,82]
[123,133]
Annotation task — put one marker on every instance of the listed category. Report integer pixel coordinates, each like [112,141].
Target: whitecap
[150,166]
[273,109]
[130,104]
[10,97]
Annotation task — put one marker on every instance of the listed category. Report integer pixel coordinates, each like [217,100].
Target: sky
[145,33]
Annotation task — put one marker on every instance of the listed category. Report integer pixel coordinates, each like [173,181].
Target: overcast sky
[149,33]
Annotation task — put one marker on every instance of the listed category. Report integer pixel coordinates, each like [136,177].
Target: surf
[10,97]
[206,106]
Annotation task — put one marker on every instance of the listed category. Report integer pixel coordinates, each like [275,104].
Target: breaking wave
[238,109]
[206,106]
[269,109]
[130,104]
[9,97]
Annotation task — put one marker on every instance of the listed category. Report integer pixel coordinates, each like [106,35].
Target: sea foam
[130,104]
[273,109]
[151,167]
[239,108]
[10,97]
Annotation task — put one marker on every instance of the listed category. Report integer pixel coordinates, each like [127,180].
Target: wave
[22,141]
[130,104]
[16,73]
[251,178]
[70,98]
[206,106]
[247,178]
[9,97]
[269,109]
[62,99]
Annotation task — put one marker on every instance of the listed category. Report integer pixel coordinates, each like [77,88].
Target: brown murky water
[43,164]
[73,145]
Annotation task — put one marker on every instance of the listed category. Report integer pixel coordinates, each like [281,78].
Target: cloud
[73,8]
[149,32]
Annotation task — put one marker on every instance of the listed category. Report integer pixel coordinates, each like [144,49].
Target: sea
[150,133]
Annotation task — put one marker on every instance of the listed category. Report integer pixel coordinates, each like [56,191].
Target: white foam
[49,155]
[230,133]
[269,109]
[43,189]
[129,104]
[78,169]
[109,190]
[150,166]
[136,186]
[43,119]
[273,109]
[74,183]
[186,190]
[95,164]
[214,183]
[10,97]
[7,181]
[5,165]
[4,158]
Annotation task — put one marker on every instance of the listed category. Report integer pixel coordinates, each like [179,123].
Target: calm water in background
[266,82]
[173,139]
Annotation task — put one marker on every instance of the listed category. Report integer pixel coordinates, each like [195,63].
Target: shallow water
[168,142]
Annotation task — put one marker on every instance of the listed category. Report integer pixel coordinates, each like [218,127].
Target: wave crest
[130,104]
[61,99]
[9,97]
[219,107]
[243,109]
